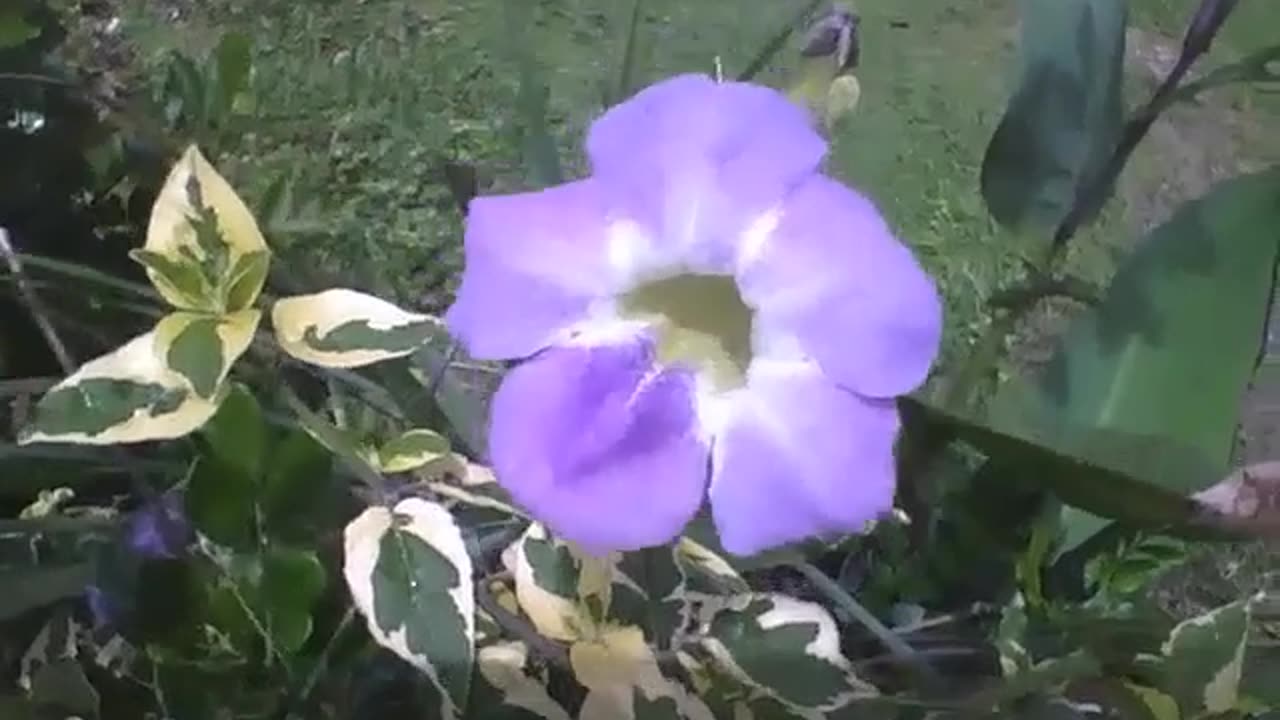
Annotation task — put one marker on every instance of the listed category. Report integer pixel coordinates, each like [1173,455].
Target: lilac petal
[534,261]
[799,457]
[833,275]
[601,445]
[695,161]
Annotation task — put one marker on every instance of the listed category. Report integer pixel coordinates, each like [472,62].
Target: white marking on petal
[757,235]
[631,253]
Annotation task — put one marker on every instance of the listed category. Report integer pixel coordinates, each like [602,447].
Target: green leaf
[298,488]
[345,328]
[410,575]
[234,61]
[787,648]
[180,281]
[237,433]
[411,450]
[1064,119]
[292,581]
[14,28]
[649,592]
[1169,352]
[1204,659]
[30,588]
[220,502]
[247,276]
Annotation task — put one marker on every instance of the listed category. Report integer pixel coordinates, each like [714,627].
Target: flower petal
[798,457]
[601,445]
[534,262]
[694,161]
[833,274]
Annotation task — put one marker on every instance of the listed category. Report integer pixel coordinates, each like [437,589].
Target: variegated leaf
[623,681]
[125,396]
[476,485]
[1204,659]
[344,328]
[202,348]
[198,224]
[787,648]
[410,575]
[505,688]
[649,592]
[707,573]
[564,591]
[415,449]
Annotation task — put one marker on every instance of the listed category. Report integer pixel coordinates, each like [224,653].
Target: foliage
[290,486]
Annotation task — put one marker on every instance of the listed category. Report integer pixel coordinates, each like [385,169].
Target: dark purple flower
[706,316]
[159,529]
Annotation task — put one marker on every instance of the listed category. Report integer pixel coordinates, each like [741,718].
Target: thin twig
[552,651]
[34,305]
[322,662]
[894,644]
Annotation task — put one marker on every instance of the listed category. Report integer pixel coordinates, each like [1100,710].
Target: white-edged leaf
[504,682]
[707,572]
[623,681]
[344,328]
[1204,659]
[787,648]
[410,575]
[192,193]
[649,592]
[125,396]
[414,449]
[475,485]
[564,591]
[202,348]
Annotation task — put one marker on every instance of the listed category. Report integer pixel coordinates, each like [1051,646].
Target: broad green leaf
[1170,350]
[1158,705]
[30,588]
[505,689]
[410,575]
[299,488]
[623,681]
[193,192]
[126,396]
[564,592]
[202,348]
[1204,659]
[413,449]
[1064,119]
[237,434]
[270,592]
[1065,464]
[345,328]
[219,500]
[787,648]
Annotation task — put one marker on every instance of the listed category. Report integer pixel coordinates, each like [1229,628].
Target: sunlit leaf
[345,328]
[505,689]
[623,681]
[413,449]
[410,575]
[787,648]
[202,348]
[198,217]
[126,396]
[1064,119]
[1204,659]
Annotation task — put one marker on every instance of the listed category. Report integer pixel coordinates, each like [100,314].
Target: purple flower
[159,529]
[705,316]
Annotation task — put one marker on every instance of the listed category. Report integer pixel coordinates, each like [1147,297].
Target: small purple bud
[159,529]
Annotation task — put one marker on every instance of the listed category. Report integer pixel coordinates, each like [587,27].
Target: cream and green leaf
[410,575]
[202,348]
[344,328]
[1204,660]
[649,592]
[129,395]
[203,250]
[415,449]
[787,648]
[624,682]
[564,591]
[505,686]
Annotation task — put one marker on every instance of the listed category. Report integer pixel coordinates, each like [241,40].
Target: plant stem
[322,662]
[892,642]
[550,650]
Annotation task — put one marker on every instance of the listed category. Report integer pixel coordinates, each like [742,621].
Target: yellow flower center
[701,321]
